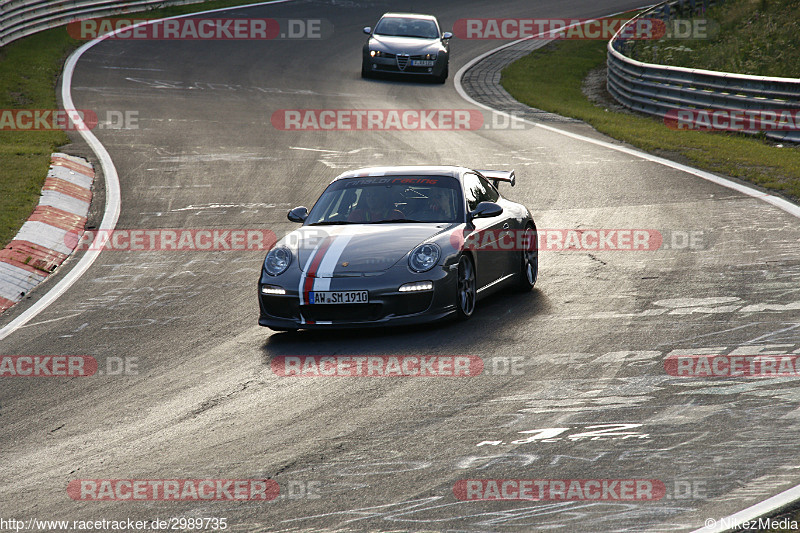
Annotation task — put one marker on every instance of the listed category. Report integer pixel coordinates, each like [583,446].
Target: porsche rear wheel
[467,292]
[529,262]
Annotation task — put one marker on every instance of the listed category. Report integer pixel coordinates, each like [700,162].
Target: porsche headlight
[277,261]
[424,257]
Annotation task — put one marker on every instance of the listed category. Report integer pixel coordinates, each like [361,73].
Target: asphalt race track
[200,401]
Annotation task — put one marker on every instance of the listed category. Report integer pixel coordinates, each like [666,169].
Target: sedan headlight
[430,56]
[277,261]
[375,53]
[424,257]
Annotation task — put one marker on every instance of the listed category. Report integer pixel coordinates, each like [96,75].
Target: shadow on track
[504,311]
[399,79]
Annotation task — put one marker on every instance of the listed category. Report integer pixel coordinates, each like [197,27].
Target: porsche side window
[491,193]
[474,191]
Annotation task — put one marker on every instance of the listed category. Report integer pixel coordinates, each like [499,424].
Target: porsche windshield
[407,27]
[389,199]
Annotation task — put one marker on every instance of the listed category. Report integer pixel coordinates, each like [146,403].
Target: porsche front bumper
[387,305]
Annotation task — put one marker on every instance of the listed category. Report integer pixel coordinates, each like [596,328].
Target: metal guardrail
[20,18]
[660,89]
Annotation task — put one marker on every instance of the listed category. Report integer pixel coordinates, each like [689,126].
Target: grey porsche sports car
[398,245]
[406,43]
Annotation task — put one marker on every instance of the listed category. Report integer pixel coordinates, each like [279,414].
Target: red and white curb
[41,244]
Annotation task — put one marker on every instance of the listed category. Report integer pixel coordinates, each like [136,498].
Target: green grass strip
[29,70]
[551,79]
[759,37]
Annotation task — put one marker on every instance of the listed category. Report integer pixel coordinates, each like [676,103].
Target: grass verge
[551,79]
[29,70]
[749,37]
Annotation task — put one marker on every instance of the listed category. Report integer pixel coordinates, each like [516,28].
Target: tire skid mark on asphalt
[113,205]
[157,84]
[434,521]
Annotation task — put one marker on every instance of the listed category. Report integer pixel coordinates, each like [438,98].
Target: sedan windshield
[389,199]
[407,27]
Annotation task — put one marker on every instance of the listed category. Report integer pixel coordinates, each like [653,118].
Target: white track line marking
[113,197]
[770,504]
[113,206]
[776,201]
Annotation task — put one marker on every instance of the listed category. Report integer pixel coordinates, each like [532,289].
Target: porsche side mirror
[298,214]
[367,30]
[486,210]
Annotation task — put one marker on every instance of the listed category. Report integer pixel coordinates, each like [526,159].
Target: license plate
[338,297]
[423,62]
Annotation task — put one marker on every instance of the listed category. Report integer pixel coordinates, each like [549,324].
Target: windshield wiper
[330,223]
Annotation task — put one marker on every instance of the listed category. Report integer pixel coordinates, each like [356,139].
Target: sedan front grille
[402,61]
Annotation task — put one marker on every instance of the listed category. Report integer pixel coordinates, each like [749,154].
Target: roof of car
[409,170]
[410,15]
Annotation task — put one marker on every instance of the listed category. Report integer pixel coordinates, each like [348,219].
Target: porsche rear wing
[499,175]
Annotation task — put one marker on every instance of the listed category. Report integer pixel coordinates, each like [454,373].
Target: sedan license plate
[422,63]
[338,297]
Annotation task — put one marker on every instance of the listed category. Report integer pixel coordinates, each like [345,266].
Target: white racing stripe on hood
[326,265]
[309,261]
[322,282]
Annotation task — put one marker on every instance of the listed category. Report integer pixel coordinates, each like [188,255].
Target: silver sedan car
[406,43]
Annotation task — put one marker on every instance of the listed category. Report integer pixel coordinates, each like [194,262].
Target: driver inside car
[436,207]
[374,205]
[439,203]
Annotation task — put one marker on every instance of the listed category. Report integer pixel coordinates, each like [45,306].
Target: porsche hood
[351,249]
